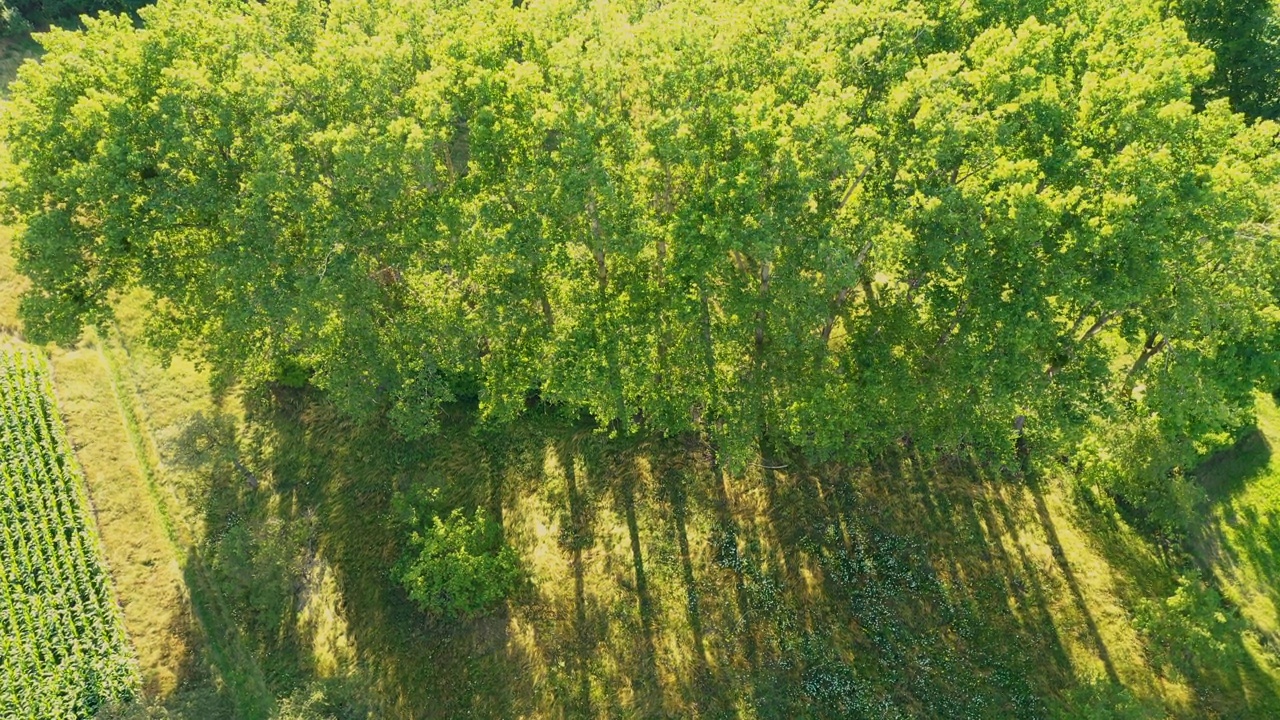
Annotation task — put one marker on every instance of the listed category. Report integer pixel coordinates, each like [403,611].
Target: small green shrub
[1140,470]
[1188,627]
[292,374]
[459,566]
[305,703]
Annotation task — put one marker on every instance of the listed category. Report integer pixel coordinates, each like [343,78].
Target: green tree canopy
[1245,36]
[843,222]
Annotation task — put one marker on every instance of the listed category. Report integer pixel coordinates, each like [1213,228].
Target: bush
[1187,628]
[306,703]
[1137,467]
[459,566]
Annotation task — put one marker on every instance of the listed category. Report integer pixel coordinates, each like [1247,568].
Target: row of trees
[841,222]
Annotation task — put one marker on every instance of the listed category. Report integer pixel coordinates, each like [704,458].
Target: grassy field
[251,538]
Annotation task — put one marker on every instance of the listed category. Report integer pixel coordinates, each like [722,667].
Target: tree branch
[1103,320]
[843,295]
[955,324]
[1149,350]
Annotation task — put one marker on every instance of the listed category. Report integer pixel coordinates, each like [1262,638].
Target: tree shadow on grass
[416,666]
[659,587]
[197,693]
[1192,635]
[1230,471]
[305,490]
[647,685]
[708,685]
[923,580]
[988,518]
[1073,584]
[1257,539]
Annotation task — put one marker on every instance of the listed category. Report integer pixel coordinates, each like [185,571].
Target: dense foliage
[1245,37]
[839,223]
[63,652]
[19,16]
[459,566]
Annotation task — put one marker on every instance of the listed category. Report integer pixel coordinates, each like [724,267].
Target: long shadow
[1060,558]
[673,485]
[197,693]
[1200,638]
[939,519]
[577,537]
[781,518]
[1260,537]
[881,546]
[206,447]
[727,554]
[648,686]
[1022,580]
[1227,472]
[882,631]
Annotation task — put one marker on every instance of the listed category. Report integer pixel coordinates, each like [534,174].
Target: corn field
[63,651]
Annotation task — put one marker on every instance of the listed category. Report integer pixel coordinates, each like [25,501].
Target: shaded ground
[658,589]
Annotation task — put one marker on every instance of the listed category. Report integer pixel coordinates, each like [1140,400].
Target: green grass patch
[1239,542]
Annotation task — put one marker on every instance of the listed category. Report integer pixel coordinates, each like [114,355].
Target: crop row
[63,651]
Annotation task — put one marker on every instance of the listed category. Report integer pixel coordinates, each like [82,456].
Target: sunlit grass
[1242,538]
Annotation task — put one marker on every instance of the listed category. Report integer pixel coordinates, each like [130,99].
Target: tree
[1245,36]
[837,224]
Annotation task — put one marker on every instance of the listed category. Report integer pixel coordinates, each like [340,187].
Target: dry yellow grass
[145,571]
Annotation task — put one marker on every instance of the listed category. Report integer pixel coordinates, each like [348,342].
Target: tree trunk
[546,308]
[843,295]
[1103,320]
[663,337]
[955,324]
[709,359]
[609,342]
[762,322]
[1149,350]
